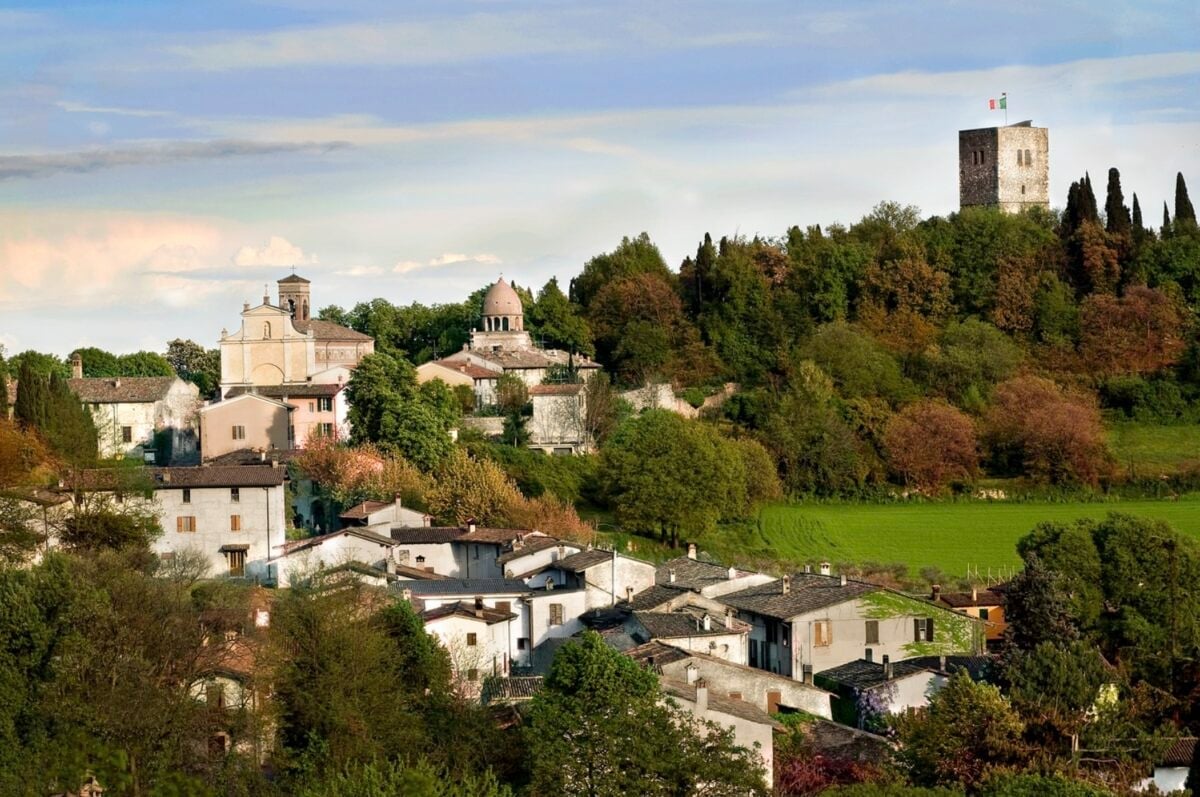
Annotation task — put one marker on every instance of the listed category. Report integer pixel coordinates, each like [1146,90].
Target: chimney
[701,696]
[942,662]
[471,526]
[935,592]
[732,573]
[478,603]
[629,593]
[671,576]
[479,613]
[826,568]
[562,552]
[707,622]
[406,593]
[691,550]
[692,672]
[76,366]
[549,584]
[974,594]
[728,617]
[843,579]
[787,584]
[887,667]
[808,568]
[806,673]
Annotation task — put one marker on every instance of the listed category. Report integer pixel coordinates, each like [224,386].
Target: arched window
[1028,160]
[504,323]
[1020,160]
[267,329]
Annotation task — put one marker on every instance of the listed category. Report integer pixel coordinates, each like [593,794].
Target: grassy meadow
[950,536]
[1153,449]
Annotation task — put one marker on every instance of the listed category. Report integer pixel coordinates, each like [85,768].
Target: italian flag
[998,105]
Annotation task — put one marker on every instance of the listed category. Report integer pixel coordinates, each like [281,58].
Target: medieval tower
[1005,167]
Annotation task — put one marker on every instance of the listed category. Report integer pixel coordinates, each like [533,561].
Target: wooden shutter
[917,623]
[179,523]
[928,629]
[872,632]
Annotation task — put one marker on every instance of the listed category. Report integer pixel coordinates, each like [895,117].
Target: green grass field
[1152,449]
[948,536]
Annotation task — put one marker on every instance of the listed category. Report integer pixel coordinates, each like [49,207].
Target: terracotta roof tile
[555,390]
[179,478]
[463,609]
[327,330]
[122,390]
[290,390]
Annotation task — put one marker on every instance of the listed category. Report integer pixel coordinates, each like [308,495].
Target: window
[312,406]
[325,429]
[325,404]
[1022,190]
[822,634]
[1020,160]
[185,523]
[556,614]
[472,639]
[1028,160]
[187,495]
[126,434]
[872,632]
[235,494]
[472,674]
[522,643]
[214,695]
[239,433]
[923,629]
[983,614]
[237,563]
[235,522]
[420,560]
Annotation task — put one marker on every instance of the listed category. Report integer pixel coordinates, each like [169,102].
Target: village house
[296,560]
[606,576]
[459,552]
[246,422]
[529,555]
[382,516]
[139,414]
[280,351]
[809,622]
[984,604]
[559,421]
[691,574]
[893,687]
[231,517]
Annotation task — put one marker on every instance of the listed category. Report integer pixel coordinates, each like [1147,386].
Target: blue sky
[160,161]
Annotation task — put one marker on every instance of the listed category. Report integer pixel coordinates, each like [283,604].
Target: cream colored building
[247,421]
[282,352]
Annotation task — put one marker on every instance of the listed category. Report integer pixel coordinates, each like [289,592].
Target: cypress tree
[1114,206]
[69,428]
[3,396]
[30,407]
[1138,226]
[1166,227]
[1184,212]
[1091,211]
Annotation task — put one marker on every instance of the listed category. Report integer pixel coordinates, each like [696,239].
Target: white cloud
[359,271]
[81,107]
[276,252]
[446,259]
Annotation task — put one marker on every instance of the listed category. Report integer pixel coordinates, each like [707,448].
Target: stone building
[281,352]
[1005,167]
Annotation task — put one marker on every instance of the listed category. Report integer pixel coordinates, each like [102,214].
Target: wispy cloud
[360,271]
[277,251]
[447,259]
[80,107]
[44,165]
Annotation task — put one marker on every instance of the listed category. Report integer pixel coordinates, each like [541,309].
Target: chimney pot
[808,568]
[671,576]
[707,623]
[691,549]
[701,696]
[826,568]
[843,579]
[732,572]
[942,662]
[728,617]
[471,526]
[787,584]
[935,591]
[974,594]
[887,667]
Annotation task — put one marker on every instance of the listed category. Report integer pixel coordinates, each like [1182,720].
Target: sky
[161,162]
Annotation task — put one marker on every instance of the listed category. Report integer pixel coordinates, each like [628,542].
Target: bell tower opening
[294,296]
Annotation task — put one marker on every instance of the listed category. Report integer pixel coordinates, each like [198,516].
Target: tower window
[504,323]
[1022,190]
[1020,160]
[1028,160]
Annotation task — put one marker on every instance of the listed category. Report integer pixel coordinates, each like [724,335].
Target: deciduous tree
[931,444]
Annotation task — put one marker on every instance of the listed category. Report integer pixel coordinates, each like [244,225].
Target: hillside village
[349,529]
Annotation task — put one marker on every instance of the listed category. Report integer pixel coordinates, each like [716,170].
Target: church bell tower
[294,296]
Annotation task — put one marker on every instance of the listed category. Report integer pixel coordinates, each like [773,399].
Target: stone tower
[1005,167]
[293,296]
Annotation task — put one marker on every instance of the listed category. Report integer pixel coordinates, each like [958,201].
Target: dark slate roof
[327,330]
[467,586]
[528,546]
[298,545]
[655,654]
[426,535]
[485,615]
[653,597]
[578,562]
[863,674]
[516,688]
[808,592]
[691,574]
[980,668]
[121,390]
[1179,754]
[179,478]
[293,278]
[290,390]
[960,600]
[672,625]
[718,702]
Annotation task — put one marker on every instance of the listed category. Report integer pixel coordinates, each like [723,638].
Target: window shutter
[928,629]
[916,629]
[179,523]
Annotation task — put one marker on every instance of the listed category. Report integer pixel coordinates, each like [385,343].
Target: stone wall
[993,170]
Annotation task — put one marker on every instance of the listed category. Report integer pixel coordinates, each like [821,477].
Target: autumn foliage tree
[1037,427]
[931,444]
[1141,332]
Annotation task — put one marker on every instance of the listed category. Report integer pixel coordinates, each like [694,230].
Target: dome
[502,300]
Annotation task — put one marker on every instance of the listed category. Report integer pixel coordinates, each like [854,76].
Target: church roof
[327,330]
[501,299]
[293,278]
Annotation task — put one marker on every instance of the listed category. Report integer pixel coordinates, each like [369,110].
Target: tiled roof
[717,702]
[290,390]
[327,330]
[960,600]
[468,368]
[461,609]
[235,394]
[467,586]
[121,390]
[672,625]
[290,278]
[979,668]
[1179,754]
[248,456]
[361,511]
[530,545]
[863,674]
[692,573]
[532,358]
[178,478]
[808,592]
[516,688]
[292,546]
[555,390]
[482,534]
[578,562]
[654,597]
[426,535]
[655,654]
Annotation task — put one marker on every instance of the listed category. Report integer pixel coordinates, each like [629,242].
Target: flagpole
[1004,95]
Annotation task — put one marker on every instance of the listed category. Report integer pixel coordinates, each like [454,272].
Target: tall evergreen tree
[1117,214]
[1184,212]
[1090,209]
[30,407]
[1138,226]
[69,428]
[1166,225]
[3,396]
